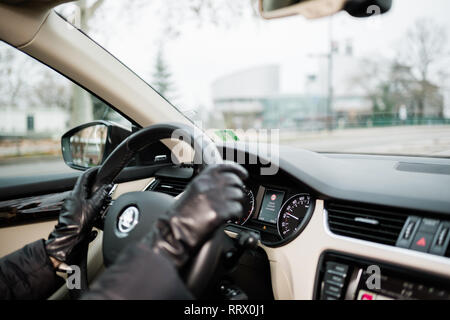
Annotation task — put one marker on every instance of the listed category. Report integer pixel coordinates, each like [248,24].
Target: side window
[37,106]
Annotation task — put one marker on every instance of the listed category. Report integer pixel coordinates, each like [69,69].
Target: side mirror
[90,144]
[313,9]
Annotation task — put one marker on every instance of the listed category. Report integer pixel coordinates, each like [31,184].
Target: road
[30,167]
[432,141]
[421,140]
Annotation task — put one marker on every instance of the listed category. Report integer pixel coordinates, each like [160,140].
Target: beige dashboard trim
[137,185]
[293,266]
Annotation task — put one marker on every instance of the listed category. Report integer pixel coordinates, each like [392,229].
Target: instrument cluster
[277,213]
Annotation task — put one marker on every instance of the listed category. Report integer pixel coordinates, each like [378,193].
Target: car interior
[315,224]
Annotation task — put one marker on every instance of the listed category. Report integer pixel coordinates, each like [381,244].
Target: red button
[366,296]
[422,242]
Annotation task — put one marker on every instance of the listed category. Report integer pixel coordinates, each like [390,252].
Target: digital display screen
[271,205]
[391,287]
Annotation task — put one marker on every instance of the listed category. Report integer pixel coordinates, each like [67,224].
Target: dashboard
[324,219]
[277,207]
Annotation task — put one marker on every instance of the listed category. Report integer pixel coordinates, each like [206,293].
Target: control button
[331,290]
[340,285]
[409,230]
[337,269]
[366,295]
[330,295]
[334,279]
[441,239]
[429,225]
[441,294]
[422,241]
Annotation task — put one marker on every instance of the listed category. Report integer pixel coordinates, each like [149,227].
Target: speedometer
[248,207]
[292,214]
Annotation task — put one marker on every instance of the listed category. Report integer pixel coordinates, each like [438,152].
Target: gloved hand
[210,200]
[77,218]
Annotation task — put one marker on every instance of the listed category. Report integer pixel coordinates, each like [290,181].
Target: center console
[344,277]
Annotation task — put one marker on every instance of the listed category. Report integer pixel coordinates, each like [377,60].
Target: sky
[203,53]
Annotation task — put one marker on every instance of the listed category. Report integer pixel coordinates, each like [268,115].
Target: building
[446,97]
[252,99]
[238,96]
[30,122]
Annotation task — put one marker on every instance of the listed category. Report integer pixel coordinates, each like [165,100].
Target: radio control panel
[343,277]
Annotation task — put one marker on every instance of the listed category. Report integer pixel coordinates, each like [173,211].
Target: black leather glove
[210,200]
[77,218]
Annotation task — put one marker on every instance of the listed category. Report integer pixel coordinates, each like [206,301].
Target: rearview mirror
[313,9]
[90,144]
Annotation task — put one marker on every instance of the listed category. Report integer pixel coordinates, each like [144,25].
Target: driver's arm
[29,273]
[151,268]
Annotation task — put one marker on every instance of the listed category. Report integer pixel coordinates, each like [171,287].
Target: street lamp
[329,56]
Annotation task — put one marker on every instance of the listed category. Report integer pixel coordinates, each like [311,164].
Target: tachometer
[248,207]
[292,214]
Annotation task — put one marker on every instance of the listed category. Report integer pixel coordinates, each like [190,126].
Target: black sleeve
[28,274]
[140,274]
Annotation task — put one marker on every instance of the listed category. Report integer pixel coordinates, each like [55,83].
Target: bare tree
[407,80]
[425,48]
[204,11]
[51,90]
[87,11]
[25,83]
[209,12]
[373,79]
[12,76]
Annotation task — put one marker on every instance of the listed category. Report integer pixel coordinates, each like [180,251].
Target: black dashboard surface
[423,184]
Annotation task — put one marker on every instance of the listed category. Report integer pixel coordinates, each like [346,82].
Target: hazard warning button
[422,241]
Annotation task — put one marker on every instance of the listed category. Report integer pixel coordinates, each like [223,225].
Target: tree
[26,83]
[51,90]
[406,80]
[11,76]
[174,11]
[424,49]
[162,81]
[212,12]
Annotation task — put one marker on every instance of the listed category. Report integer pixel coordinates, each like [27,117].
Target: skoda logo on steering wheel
[128,219]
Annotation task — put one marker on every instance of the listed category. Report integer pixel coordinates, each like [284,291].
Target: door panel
[26,219]
[31,209]
[13,238]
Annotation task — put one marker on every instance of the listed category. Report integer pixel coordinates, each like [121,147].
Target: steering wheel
[131,216]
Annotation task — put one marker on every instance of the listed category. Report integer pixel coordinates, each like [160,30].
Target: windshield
[378,85]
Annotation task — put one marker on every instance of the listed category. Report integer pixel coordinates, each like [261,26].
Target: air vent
[171,187]
[377,224]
